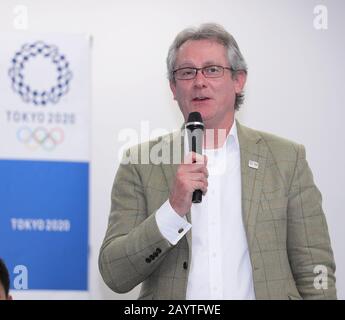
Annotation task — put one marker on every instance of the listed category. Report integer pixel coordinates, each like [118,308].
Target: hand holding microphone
[190,181]
[195,130]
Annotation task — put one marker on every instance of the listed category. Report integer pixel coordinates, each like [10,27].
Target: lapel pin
[253,164]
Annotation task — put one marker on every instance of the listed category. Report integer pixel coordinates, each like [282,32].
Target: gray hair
[215,32]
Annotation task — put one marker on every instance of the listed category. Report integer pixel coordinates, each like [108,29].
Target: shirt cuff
[171,225]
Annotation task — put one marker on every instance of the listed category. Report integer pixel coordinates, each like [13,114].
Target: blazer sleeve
[133,246]
[308,241]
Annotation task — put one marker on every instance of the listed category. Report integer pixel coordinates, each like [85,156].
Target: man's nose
[200,80]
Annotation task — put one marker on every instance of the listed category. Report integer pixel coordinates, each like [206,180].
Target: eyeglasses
[189,73]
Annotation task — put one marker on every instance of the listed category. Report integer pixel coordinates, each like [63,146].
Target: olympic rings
[40,137]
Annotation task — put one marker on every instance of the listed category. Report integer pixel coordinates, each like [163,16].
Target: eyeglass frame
[202,71]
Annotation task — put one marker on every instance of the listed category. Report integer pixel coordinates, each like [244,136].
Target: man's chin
[206,115]
[203,110]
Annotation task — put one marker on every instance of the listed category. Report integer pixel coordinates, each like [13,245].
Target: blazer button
[180,230]
[148,260]
[158,250]
[152,256]
[185,265]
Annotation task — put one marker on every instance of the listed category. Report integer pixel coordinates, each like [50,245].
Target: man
[259,232]
[4,282]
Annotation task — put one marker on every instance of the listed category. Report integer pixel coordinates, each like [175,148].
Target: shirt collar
[231,143]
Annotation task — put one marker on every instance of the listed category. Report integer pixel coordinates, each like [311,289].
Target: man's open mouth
[201,98]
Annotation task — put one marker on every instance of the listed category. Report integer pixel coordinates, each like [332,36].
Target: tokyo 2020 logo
[38,96]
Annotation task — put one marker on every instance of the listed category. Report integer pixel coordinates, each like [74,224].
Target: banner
[44,159]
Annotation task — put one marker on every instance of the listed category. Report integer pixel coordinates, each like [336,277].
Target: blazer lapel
[253,154]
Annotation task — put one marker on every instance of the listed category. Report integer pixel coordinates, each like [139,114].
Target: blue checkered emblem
[34,95]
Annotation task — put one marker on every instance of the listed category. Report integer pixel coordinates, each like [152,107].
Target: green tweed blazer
[282,213]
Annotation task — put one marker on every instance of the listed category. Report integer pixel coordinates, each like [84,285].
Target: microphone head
[195,117]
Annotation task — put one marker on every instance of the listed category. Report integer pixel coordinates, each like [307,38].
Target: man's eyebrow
[211,63]
[185,64]
[192,65]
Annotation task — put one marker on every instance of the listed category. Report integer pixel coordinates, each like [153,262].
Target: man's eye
[212,69]
[187,72]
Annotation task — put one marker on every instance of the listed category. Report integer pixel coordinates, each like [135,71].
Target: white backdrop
[295,87]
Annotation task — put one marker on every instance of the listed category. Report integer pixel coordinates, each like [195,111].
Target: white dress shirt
[220,263]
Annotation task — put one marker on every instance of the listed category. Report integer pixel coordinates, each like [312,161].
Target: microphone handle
[197,196]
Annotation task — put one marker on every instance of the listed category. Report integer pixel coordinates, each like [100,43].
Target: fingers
[190,177]
[200,185]
[199,176]
[193,157]
[196,168]
[199,166]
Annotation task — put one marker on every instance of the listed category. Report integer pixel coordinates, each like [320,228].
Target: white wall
[295,87]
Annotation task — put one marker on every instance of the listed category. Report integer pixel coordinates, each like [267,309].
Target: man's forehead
[204,51]
[201,43]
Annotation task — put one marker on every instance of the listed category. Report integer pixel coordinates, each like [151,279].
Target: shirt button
[180,230]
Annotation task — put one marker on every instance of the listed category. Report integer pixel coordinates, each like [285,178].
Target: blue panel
[44,222]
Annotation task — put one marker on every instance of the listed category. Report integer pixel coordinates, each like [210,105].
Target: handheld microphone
[195,130]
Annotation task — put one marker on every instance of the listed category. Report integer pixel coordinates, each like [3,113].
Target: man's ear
[240,78]
[173,88]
